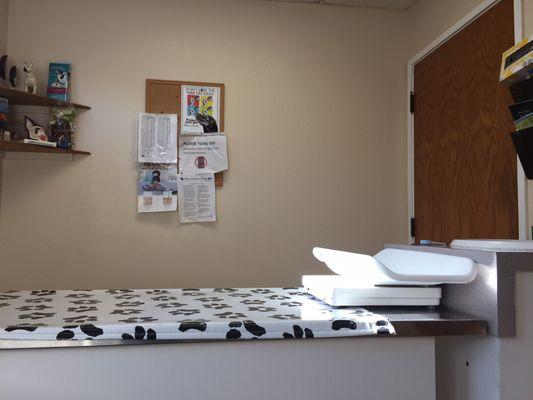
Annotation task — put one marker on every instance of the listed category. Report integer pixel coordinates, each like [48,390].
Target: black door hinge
[412,102]
[413,227]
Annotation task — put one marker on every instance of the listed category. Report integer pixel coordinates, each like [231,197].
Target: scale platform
[392,277]
[338,291]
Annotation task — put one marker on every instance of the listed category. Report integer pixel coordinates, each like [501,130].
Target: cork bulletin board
[164,97]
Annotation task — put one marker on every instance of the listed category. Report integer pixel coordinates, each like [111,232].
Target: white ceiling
[390,4]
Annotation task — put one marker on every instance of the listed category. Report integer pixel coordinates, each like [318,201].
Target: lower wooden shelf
[32,148]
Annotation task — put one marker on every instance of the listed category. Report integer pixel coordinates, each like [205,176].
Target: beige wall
[315,128]
[4,9]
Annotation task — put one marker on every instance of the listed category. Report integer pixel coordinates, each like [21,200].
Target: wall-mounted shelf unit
[19,98]
[32,148]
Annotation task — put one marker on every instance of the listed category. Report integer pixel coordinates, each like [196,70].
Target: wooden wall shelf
[32,148]
[17,97]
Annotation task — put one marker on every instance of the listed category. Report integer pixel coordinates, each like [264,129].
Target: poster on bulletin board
[200,110]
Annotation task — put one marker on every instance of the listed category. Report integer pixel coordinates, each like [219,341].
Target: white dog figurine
[30,82]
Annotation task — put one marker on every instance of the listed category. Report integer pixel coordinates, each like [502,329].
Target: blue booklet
[58,81]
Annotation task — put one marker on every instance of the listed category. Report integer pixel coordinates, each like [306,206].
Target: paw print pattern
[261,309]
[232,315]
[4,296]
[209,299]
[37,315]
[224,290]
[80,319]
[85,301]
[298,333]
[82,309]
[261,291]
[127,296]
[164,298]
[284,317]
[138,320]
[173,304]
[79,295]
[42,293]
[241,295]
[291,303]
[248,302]
[38,300]
[278,297]
[157,291]
[35,307]
[130,304]
[126,311]
[185,311]
[119,291]
[220,312]
[216,306]
[140,334]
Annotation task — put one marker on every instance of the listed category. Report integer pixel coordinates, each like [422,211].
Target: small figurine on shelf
[30,82]
[35,131]
[63,124]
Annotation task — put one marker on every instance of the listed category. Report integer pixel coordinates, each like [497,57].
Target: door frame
[521,178]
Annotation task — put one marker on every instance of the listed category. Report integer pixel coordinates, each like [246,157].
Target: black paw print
[163,298]
[137,320]
[42,292]
[261,291]
[285,316]
[140,334]
[224,290]
[22,327]
[4,296]
[37,307]
[209,299]
[243,295]
[299,333]
[118,291]
[248,302]
[78,295]
[82,309]
[80,319]
[127,296]
[127,311]
[216,306]
[291,303]
[230,314]
[157,291]
[129,304]
[36,315]
[185,311]
[261,309]
[173,304]
[85,301]
[38,300]
[193,293]
[278,297]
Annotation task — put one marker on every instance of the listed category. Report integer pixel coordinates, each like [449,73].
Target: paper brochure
[157,138]
[196,197]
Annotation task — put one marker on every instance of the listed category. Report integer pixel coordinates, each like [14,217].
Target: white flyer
[203,154]
[157,138]
[200,110]
[196,198]
[157,188]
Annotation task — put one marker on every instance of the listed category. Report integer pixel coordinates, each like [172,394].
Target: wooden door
[465,180]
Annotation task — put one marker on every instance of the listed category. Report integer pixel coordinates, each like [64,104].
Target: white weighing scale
[393,277]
